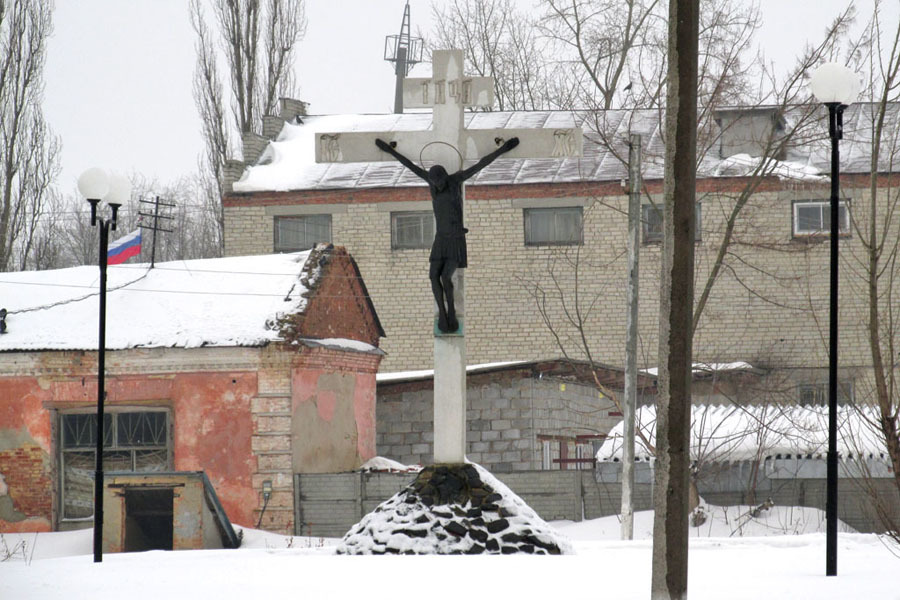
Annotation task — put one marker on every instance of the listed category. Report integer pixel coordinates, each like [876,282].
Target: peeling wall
[211,432]
[333,405]
[25,464]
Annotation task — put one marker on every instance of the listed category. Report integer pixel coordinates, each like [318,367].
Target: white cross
[448,92]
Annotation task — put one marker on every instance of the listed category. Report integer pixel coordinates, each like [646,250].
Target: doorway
[148,519]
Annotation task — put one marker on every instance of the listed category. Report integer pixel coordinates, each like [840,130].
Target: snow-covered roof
[733,433]
[700,368]
[214,302]
[429,373]
[288,163]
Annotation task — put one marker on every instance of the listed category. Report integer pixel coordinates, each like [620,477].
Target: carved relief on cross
[448,92]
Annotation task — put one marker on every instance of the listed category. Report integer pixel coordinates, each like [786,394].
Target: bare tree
[501,42]
[608,46]
[876,221]
[46,246]
[29,151]
[194,230]
[258,41]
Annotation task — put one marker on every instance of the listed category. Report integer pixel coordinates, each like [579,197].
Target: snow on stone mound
[454,509]
[380,463]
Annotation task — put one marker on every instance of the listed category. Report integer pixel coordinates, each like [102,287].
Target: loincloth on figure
[450,246]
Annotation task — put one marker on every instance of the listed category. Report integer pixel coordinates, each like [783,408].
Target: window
[132,441]
[816,394]
[553,226]
[652,230]
[813,218]
[293,234]
[412,229]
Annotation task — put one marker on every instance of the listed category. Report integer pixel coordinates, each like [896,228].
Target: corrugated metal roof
[288,163]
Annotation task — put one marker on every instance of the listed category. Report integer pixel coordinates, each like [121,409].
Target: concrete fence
[328,505]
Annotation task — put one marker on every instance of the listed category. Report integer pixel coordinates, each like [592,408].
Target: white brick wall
[761,308]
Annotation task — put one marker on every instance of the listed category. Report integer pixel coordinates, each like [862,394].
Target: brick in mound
[453,509]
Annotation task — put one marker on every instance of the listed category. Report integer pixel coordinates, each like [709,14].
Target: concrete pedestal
[450,384]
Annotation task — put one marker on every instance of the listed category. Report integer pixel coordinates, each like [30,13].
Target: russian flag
[124,248]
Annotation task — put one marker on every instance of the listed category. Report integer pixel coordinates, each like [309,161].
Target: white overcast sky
[118,74]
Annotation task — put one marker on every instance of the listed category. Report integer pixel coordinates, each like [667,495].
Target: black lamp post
[836,86]
[95,185]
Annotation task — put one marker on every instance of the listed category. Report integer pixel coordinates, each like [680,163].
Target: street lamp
[836,86]
[95,185]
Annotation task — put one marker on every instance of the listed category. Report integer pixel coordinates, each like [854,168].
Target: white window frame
[824,207]
[300,221]
[425,241]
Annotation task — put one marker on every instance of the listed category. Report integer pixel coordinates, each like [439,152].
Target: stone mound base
[453,509]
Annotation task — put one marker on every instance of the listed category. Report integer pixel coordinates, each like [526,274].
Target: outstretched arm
[403,160]
[506,147]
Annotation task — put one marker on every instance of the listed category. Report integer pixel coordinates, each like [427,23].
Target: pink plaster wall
[212,433]
[323,399]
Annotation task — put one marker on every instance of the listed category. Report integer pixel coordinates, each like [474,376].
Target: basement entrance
[148,519]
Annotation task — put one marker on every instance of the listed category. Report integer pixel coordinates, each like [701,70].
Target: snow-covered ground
[731,557]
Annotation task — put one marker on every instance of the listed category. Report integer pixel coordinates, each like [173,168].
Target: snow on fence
[328,505]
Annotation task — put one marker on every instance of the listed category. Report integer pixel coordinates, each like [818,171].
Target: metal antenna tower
[404,51]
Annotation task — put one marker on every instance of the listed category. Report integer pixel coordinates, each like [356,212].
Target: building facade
[268,370]
[547,241]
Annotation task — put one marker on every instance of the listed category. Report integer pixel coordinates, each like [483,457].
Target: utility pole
[404,51]
[631,329]
[671,497]
[155,227]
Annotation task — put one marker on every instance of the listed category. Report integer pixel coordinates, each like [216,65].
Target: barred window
[293,234]
[412,229]
[816,394]
[132,441]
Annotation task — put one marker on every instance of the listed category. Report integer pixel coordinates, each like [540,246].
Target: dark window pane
[141,429]
[652,223]
[412,229]
[80,430]
[293,234]
[814,217]
[553,225]
[809,218]
[652,226]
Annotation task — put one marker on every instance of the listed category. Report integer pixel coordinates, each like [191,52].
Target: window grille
[132,441]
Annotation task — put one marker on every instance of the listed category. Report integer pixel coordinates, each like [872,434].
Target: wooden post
[631,330]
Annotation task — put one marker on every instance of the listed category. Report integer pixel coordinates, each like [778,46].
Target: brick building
[521,416]
[540,230]
[250,369]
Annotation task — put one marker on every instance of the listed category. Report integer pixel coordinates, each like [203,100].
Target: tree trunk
[671,494]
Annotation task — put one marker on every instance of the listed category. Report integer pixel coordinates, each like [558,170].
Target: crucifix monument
[448,92]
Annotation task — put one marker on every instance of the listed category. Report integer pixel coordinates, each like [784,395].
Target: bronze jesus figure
[448,252]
